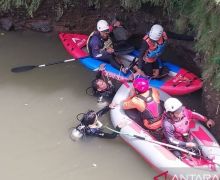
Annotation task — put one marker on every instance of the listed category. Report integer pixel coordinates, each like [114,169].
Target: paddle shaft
[58,62]
[30,67]
[154,141]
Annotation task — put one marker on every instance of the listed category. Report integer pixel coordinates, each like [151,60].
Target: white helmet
[156,32]
[102,25]
[172,104]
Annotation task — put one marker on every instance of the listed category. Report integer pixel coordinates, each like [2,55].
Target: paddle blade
[22,69]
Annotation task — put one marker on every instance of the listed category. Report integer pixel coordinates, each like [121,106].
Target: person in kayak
[153,45]
[91,126]
[146,101]
[120,37]
[176,124]
[100,46]
[102,86]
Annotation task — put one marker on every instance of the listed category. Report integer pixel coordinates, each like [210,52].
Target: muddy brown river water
[38,107]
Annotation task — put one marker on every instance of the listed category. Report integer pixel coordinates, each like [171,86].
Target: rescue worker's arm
[101,75]
[134,103]
[128,104]
[143,49]
[102,134]
[156,95]
[96,49]
[197,116]
[103,111]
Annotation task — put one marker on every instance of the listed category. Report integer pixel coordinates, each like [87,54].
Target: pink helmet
[141,85]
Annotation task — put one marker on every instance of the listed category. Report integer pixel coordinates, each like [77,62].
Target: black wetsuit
[98,132]
[109,92]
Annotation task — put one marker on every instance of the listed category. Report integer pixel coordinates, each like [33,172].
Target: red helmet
[141,85]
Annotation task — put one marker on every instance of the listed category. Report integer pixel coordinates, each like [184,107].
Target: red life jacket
[182,126]
[152,114]
[154,48]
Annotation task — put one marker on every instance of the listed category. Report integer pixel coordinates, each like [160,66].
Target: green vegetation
[30,5]
[200,16]
[204,17]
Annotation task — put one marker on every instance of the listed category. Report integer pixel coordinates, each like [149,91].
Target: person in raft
[145,101]
[91,126]
[100,46]
[153,45]
[176,124]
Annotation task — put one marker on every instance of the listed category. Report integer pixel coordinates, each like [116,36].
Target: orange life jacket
[155,48]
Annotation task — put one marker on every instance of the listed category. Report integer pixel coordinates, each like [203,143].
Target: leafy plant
[33,6]
[29,5]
